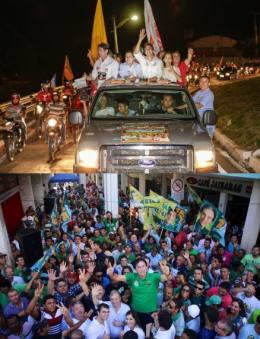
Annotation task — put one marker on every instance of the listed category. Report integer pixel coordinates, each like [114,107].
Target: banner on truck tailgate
[140,134]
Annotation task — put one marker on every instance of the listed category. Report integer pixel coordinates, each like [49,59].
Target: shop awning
[64,177]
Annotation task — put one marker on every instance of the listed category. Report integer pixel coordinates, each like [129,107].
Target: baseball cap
[3,254]
[193,310]
[71,275]
[214,300]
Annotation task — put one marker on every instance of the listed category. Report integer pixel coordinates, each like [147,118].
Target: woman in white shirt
[132,323]
[169,72]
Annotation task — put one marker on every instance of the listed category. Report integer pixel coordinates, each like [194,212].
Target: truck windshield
[143,104]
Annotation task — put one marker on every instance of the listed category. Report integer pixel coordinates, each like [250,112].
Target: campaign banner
[144,134]
[211,221]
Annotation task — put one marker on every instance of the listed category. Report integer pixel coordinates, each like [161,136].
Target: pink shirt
[226,299]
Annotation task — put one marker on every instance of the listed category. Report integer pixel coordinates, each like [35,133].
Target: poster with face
[175,219]
[211,220]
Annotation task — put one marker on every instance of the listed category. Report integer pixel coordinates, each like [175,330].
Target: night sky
[36,34]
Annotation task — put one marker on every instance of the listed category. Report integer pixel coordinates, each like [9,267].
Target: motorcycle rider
[58,109]
[16,111]
[45,94]
[43,98]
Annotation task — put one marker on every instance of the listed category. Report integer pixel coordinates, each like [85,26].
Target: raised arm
[146,234]
[29,284]
[142,36]
[51,279]
[31,308]
[189,57]
[113,276]
[90,58]
[166,274]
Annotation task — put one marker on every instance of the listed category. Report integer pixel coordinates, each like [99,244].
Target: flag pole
[160,234]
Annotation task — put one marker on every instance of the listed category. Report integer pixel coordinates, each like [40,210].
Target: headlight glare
[39,109]
[52,122]
[89,158]
[204,158]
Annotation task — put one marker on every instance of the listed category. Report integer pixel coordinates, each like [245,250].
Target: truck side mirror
[209,118]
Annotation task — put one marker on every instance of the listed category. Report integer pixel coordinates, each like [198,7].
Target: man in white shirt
[98,329]
[152,67]
[117,314]
[105,68]
[249,299]
[166,329]
[104,110]
[14,279]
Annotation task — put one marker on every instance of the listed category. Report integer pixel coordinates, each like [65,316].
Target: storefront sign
[235,187]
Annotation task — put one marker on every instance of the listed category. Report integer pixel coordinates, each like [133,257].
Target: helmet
[56,93]
[15,96]
[45,84]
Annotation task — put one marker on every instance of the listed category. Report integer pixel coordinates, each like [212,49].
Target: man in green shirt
[144,288]
[252,261]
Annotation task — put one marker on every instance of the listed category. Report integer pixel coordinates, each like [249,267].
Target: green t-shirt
[110,225]
[144,291]
[249,262]
[3,300]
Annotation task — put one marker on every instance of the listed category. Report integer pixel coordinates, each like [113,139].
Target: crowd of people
[104,276]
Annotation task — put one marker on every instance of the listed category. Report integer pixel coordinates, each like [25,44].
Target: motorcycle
[40,111]
[55,137]
[14,137]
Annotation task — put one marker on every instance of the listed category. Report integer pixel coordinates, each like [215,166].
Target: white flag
[151,28]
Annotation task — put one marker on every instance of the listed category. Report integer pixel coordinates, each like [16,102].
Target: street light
[119,25]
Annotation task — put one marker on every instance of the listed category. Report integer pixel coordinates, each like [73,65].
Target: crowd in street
[104,276]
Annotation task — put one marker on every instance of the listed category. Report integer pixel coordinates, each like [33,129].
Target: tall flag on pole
[99,30]
[152,32]
[67,71]
[53,80]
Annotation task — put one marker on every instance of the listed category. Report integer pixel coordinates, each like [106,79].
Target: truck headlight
[52,122]
[89,158]
[204,159]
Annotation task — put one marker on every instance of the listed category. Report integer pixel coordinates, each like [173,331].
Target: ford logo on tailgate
[146,163]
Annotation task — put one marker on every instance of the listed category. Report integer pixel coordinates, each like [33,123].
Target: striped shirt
[56,108]
[54,321]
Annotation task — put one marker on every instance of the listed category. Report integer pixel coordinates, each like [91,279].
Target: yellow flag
[67,71]
[99,31]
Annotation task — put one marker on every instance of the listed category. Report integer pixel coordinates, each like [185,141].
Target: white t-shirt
[168,74]
[250,304]
[17,280]
[105,70]
[84,326]
[115,331]
[194,324]
[96,330]
[169,334]
[231,336]
[248,331]
[105,112]
[137,330]
[152,68]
